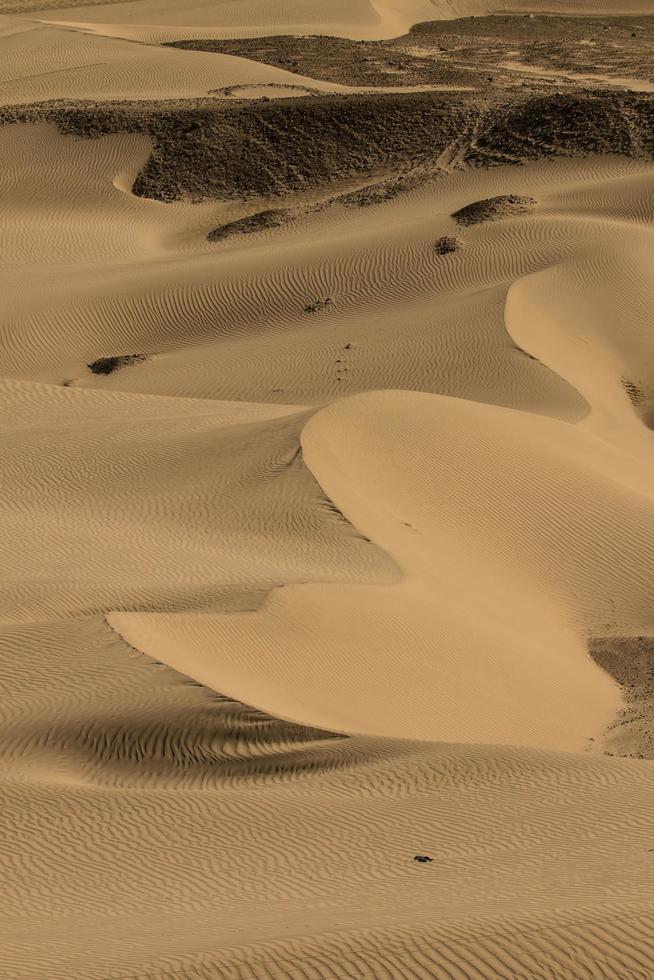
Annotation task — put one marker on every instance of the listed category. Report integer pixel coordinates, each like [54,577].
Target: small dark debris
[107,365]
[634,391]
[318,305]
[423,859]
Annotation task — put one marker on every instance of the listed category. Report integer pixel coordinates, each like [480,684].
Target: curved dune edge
[74,62]
[450,655]
[485,511]
[588,319]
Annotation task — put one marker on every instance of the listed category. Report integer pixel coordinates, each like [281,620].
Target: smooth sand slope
[307,589]
[158,20]
[76,64]
[154,20]
[47,62]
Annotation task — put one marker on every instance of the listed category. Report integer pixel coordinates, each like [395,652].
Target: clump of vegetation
[107,365]
[456,52]
[630,661]
[206,149]
[445,245]
[272,218]
[494,208]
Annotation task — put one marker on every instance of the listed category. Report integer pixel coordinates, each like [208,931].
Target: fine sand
[327,514]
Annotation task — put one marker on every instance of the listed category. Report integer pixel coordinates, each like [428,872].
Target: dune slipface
[326,490]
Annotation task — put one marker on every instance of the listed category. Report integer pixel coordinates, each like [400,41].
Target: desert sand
[327,481]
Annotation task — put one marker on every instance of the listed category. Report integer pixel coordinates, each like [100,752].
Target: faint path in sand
[601,81]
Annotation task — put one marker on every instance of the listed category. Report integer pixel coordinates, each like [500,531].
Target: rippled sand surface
[315,506]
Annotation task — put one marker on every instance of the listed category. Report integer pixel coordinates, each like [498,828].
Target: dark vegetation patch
[467,51]
[565,124]
[596,45]
[385,189]
[446,245]
[494,208]
[272,218]
[630,661]
[204,149]
[556,29]
[340,60]
[107,365]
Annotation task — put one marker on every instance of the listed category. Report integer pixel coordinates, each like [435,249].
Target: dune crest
[487,566]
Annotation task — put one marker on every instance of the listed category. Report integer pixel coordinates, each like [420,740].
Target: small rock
[423,859]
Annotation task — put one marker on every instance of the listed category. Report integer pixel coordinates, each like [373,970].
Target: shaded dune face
[166,729]
[326,490]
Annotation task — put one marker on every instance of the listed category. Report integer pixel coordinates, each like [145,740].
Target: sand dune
[456,530]
[130,760]
[196,307]
[321,508]
[78,64]
[183,436]
[74,63]
[133,762]
[155,20]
